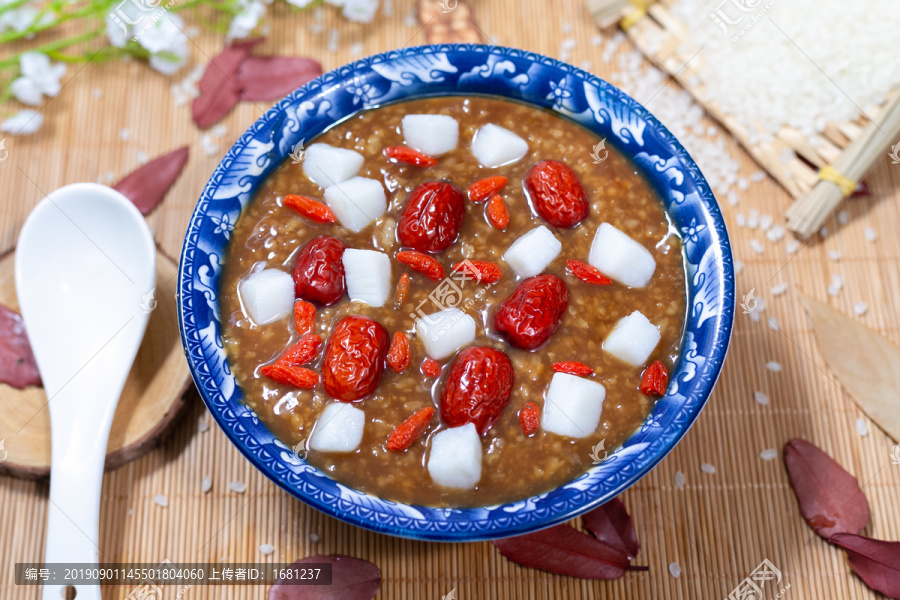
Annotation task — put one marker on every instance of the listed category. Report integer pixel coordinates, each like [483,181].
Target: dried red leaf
[265,78]
[876,562]
[351,579]
[219,87]
[565,551]
[861,191]
[147,185]
[17,365]
[611,524]
[830,498]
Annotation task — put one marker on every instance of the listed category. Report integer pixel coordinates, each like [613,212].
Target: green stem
[52,47]
[12,6]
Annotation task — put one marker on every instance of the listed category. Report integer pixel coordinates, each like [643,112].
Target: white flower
[243,23]
[39,78]
[362,11]
[24,122]
[117,30]
[166,42]
[131,16]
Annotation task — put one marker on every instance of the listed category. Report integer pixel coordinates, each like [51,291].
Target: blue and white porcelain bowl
[453,70]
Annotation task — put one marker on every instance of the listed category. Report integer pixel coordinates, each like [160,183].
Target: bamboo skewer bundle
[849,149]
[839,179]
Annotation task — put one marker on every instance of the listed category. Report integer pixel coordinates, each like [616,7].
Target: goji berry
[409,156]
[482,189]
[497,214]
[410,430]
[422,263]
[309,208]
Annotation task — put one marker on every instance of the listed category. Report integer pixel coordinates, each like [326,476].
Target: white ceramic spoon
[84,261]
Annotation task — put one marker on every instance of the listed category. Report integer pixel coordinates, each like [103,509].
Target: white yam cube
[267,295]
[633,339]
[356,202]
[573,405]
[327,165]
[432,134]
[495,146]
[368,275]
[445,332]
[620,257]
[338,429]
[531,253]
[455,457]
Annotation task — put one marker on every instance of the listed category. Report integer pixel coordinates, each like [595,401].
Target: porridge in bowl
[454,301]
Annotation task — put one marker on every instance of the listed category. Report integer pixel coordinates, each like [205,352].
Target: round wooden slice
[152,397]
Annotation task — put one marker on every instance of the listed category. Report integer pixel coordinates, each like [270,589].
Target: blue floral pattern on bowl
[446,70]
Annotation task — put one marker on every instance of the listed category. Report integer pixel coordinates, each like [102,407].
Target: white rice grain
[238,487]
[758,176]
[862,428]
[761,398]
[773,366]
[679,480]
[778,289]
[675,570]
[837,283]
[775,233]
[707,468]
[843,217]
[768,454]
[860,308]
[161,500]
[206,484]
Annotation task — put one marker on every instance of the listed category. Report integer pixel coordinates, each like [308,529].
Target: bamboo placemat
[718,528]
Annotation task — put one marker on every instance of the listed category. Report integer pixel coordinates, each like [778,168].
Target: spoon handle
[78,453]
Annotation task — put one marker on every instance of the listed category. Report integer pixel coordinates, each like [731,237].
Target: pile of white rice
[794,62]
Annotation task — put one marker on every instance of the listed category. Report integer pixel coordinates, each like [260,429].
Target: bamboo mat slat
[718,528]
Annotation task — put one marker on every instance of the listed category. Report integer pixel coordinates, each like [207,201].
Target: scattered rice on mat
[675,570]
[768,454]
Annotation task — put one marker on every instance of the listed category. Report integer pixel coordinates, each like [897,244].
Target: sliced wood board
[152,397]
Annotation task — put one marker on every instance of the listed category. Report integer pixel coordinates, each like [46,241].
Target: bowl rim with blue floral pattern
[442,70]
